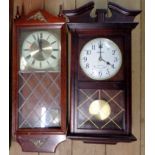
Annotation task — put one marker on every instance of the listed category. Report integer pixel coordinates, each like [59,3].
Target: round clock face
[40,50]
[100,59]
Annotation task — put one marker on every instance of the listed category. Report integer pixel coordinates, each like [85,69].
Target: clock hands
[100,56]
[100,52]
[40,44]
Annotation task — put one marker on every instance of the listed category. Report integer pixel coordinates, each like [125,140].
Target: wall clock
[100,74]
[39,81]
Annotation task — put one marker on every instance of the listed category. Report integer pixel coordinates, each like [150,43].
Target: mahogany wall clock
[100,74]
[39,78]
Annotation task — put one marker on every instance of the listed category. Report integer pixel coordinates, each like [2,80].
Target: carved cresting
[119,14]
[38,16]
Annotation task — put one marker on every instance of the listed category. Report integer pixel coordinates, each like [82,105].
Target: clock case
[38,139]
[83,28]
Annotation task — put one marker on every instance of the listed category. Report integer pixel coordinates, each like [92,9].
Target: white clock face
[100,59]
[40,51]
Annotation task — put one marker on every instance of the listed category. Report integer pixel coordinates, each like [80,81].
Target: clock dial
[41,51]
[100,59]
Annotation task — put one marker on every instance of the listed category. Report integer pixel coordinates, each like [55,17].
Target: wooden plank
[131,4]
[46,153]
[53,6]
[99,4]
[63,148]
[69,4]
[143,79]
[80,148]
[132,148]
[15,149]
[31,5]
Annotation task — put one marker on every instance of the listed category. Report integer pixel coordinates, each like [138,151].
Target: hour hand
[39,41]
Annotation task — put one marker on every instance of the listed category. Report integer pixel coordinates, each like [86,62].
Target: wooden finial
[17,13]
[60,10]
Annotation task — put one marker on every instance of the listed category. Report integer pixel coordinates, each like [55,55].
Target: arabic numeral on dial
[88,52]
[115,59]
[113,52]
[93,47]
[107,72]
[87,65]
[113,66]
[100,74]
[84,59]
[34,37]
[41,35]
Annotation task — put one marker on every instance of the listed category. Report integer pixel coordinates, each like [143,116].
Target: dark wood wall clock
[100,74]
[39,81]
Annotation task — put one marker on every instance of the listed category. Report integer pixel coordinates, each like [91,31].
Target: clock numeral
[100,45]
[26,49]
[48,62]
[87,65]
[113,52]
[48,37]
[107,72]
[88,52]
[53,42]
[115,59]
[33,62]
[113,66]
[28,42]
[85,59]
[28,57]
[55,49]
[92,73]
[34,37]
[52,56]
[93,47]
[41,35]
[100,74]
[40,64]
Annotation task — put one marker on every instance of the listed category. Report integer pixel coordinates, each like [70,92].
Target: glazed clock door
[39,81]
[39,78]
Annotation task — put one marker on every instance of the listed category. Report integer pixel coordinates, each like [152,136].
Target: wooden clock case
[83,28]
[38,139]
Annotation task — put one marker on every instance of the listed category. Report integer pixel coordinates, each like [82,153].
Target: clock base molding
[107,139]
[40,143]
